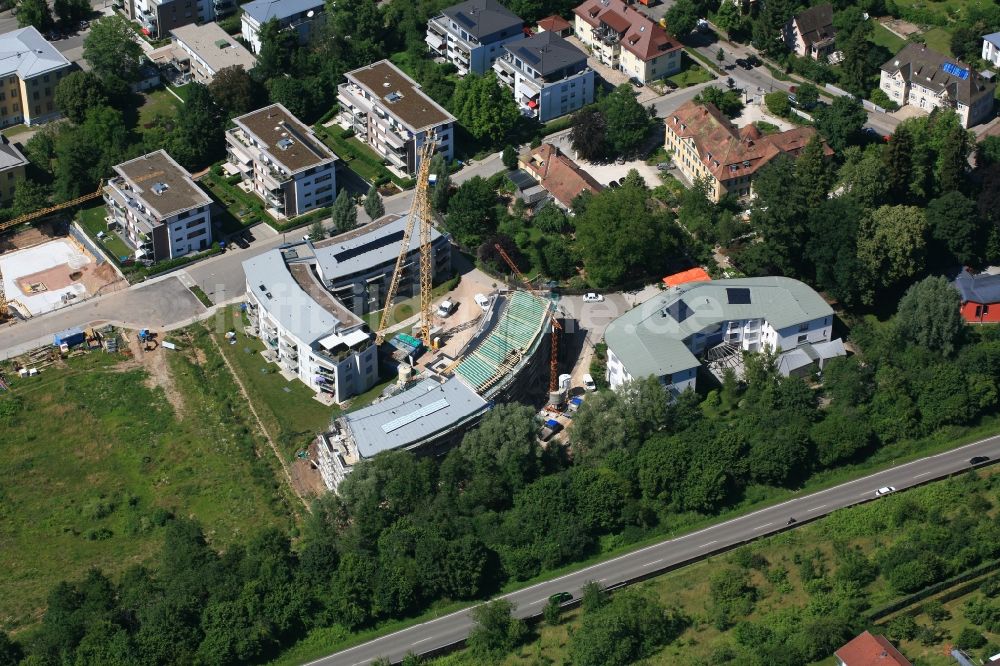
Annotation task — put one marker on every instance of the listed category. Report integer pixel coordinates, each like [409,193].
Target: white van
[483,301]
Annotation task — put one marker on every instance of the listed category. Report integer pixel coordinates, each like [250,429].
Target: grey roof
[482,18]
[413,416]
[263,11]
[808,354]
[546,53]
[26,53]
[930,69]
[363,249]
[649,339]
[816,24]
[214,46]
[993,38]
[267,274]
[163,185]
[983,289]
[10,156]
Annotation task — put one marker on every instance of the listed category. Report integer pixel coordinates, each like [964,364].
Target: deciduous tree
[929,315]
[891,244]
[373,203]
[112,50]
[486,109]
[79,92]
[34,13]
[627,120]
[234,91]
[496,632]
[588,136]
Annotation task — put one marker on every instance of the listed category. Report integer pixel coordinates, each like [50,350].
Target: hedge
[909,600]
[170,264]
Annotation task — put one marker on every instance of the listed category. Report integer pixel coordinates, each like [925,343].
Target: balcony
[436,42]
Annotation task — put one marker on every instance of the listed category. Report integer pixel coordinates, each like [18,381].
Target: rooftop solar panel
[955,70]
[407,419]
[388,239]
[738,296]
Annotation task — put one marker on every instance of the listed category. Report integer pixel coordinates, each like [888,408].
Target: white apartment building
[664,336]
[205,49]
[388,111]
[157,18]
[549,76]
[991,49]
[287,166]
[307,332]
[158,208]
[624,38]
[926,79]
[305,17]
[471,35]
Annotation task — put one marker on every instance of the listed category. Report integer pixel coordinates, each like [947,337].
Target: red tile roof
[642,36]
[696,274]
[560,175]
[554,24]
[729,152]
[868,650]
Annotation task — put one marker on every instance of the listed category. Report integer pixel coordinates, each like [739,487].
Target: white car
[445,308]
[588,383]
[592,297]
[885,490]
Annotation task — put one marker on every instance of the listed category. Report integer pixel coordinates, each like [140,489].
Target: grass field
[158,103]
[939,39]
[96,459]
[691,73]
[883,37]
[92,219]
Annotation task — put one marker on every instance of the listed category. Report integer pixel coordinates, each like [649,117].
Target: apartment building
[12,165]
[991,48]
[388,111]
[30,68]
[705,144]
[158,208]
[548,75]
[157,18]
[357,267]
[305,17]
[471,35]
[665,336]
[205,49]
[810,33]
[624,38]
[307,332]
[283,161]
[925,79]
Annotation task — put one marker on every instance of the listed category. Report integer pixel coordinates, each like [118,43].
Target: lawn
[883,37]
[92,219]
[938,39]
[360,158]
[96,460]
[158,104]
[181,91]
[691,73]
[238,209]
[11,132]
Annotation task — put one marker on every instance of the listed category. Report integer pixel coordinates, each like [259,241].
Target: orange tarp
[691,275]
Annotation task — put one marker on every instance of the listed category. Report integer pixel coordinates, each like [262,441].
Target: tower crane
[420,213]
[556,326]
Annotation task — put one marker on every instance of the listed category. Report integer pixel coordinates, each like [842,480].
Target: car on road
[242,242]
[635,81]
[560,598]
[593,297]
[613,184]
[885,490]
[668,83]
[753,61]
[588,383]
[664,166]
[744,63]
[978,460]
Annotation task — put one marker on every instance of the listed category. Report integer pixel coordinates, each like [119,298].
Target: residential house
[622,37]
[304,17]
[357,266]
[991,48]
[158,208]
[307,332]
[810,34]
[471,35]
[157,18]
[664,336]
[705,144]
[549,76]
[559,175]
[204,49]
[12,165]
[926,79]
[556,24]
[980,296]
[868,650]
[29,71]
[388,111]
[282,160]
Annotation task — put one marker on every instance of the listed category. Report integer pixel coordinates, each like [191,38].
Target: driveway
[615,77]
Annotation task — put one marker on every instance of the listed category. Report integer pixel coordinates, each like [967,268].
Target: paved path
[451,630]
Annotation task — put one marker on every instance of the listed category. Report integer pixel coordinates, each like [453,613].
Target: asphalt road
[451,629]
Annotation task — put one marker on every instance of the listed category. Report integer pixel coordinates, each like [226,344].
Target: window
[986,309]
[802,339]
[45,78]
[803,328]
[979,311]
[195,234]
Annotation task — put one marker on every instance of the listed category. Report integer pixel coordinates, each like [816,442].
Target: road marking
[816,508]
[422,640]
[704,545]
[535,602]
[917,476]
[649,564]
[764,525]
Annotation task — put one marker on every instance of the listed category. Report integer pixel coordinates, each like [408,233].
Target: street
[451,630]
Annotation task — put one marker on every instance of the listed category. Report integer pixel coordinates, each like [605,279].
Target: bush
[879,97]
[778,104]
[346,134]
[970,639]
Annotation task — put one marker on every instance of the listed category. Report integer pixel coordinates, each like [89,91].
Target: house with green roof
[666,336]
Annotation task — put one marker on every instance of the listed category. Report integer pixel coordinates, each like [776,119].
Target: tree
[34,13]
[970,639]
[730,102]
[634,179]
[841,435]
[306,97]
[486,109]
[550,219]
[198,138]
[778,103]
[345,215]
[929,315]
[720,55]
[954,224]
[552,613]
[509,158]
[79,92]
[807,96]
[276,49]
[234,91]
[29,196]
[112,50]
[496,632]
[863,175]
[70,12]
[813,174]
[682,17]
[10,651]
[472,212]
[373,203]
[588,135]
[592,596]
[316,231]
[841,122]
[630,627]
[891,245]
[627,120]
[898,159]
